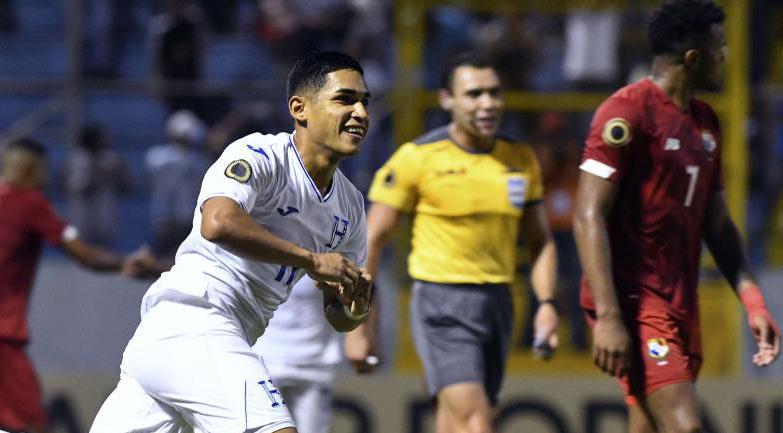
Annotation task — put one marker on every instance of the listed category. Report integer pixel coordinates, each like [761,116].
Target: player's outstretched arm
[595,198]
[225,223]
[139,264]
[92,257]
[345,309]
[724,242]
[535,232]
[361,347]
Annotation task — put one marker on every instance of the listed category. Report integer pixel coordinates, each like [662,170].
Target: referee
[470,192]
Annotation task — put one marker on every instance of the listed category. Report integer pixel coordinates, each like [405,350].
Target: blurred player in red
[650,191]
[26,220]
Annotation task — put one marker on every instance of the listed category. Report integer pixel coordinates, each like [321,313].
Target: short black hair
[679,25]
[470,58]
[29,145]
[311,70]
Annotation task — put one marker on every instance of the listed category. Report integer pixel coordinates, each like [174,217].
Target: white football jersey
[300,338]
[266,177]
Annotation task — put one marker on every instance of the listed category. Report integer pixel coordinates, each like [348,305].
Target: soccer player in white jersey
[271,209]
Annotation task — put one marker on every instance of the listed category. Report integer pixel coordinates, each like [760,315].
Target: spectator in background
[95,177]
[176,169]
[178,46]
[510,45]
[245,119]
[290,27]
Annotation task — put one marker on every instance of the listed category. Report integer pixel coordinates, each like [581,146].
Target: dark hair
[310,70]
[29,145]
[678,25]
[469,58]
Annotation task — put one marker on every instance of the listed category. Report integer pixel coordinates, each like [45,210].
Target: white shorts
[189,368]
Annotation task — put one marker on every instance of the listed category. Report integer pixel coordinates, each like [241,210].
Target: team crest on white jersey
[708,141]
[339,230]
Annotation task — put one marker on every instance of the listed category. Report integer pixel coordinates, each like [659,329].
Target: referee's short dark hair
[680,25]
[470,58]
[309,72]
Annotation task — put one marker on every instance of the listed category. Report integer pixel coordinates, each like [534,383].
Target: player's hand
[360,349]
[767,336]
[356,298]
[362,294]
[141,264]
[611,346]
[336,268]
[545,325]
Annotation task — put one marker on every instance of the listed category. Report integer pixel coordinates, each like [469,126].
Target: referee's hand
[360,349]
[545,324]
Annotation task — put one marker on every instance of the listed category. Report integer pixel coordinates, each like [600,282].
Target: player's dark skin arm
[91,257]
[725,243]
[225,223]
[595,198]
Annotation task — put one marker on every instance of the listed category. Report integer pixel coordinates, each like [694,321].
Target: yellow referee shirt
[466,206]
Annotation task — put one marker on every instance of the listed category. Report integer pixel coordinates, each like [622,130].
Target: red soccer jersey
[26,219]
[666,163]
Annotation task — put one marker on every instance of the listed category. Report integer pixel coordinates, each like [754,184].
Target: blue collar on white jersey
[321,198]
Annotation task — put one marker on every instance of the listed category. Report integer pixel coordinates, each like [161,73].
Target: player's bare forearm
[725,243]
[225,223]
[594,201]
[542,251]
[94,258]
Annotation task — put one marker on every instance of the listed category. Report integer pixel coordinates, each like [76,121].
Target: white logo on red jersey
[672,144]
[708,141]
[658,349]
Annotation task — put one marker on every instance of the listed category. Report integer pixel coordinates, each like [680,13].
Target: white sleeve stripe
[597,168]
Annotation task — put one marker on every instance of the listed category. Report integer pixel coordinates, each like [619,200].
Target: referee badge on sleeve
[239,170]
[617,132]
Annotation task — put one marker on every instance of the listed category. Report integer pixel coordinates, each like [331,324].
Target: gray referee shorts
[462,333]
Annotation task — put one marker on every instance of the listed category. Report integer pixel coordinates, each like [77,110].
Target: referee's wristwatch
[551,301]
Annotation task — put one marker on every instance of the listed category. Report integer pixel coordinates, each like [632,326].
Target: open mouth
[487,122]
[357,130]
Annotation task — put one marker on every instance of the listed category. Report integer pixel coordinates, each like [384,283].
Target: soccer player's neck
[673,80]
[319,162]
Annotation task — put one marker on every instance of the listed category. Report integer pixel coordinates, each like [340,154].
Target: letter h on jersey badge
[339,229]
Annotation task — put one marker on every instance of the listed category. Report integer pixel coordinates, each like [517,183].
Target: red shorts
[20,393]
[665,351]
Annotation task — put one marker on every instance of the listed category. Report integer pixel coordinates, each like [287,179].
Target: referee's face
[475,101]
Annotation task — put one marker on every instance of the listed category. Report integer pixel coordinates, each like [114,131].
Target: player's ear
[691,59]
[446,99]
[297,109]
